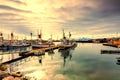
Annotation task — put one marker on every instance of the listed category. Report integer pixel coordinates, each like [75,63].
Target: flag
[31,35]
[12,36]
[1,34]
[39,36]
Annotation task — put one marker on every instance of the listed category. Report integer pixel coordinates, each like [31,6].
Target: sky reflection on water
[85,62]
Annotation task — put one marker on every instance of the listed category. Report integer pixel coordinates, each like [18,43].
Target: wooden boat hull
[9,47]
[62,47]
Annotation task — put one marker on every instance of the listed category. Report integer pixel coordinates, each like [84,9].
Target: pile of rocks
[5,75]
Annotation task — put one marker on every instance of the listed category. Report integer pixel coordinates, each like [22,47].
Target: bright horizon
[83,18]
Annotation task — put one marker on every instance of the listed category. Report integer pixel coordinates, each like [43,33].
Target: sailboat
[40,44]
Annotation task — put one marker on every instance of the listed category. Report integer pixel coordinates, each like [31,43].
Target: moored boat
[66,42]
[12,43]
[40,44]
[113,43]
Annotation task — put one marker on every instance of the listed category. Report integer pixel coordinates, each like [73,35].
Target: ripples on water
[85,62]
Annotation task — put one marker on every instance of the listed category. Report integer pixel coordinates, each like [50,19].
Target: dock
[112,45]
[110,51]
[14,60]
[38,52]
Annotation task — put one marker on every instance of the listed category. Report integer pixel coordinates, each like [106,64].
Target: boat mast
[12,37]
[1,38]
[51,36]
[69,35]
[37,34]
[63,34]
[31,35]
[40,36]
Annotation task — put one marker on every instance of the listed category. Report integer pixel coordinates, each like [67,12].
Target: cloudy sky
[83,18]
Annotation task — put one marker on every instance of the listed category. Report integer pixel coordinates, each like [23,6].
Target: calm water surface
[85,62]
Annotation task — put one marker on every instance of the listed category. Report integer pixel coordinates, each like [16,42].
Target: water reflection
[82,63]
[51,53]
[15,50]
[113,52]
[40,59]
[15,66]
[66,53]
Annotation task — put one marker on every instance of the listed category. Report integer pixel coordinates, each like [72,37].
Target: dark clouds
[5,7]
[17,1]
[104,17]
[11,18]
[107,8]
[107,16]
[104,8]
[109,4]
[8,14]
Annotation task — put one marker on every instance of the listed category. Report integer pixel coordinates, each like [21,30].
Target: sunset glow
[82,18]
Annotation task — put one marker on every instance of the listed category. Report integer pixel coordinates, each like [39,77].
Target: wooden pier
[13,60]
[38,52]
[112,45]
[110,51]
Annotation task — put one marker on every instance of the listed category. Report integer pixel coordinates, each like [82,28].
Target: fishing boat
[40,44]
[12,43]
[66,46]
[113,43]
[21,43]
[66,42]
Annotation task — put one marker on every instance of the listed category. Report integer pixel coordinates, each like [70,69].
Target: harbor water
[84,62]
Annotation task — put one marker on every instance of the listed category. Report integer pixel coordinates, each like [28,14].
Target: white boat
[66,46]
[40,44]
[13,43]
[18,44]
[66,43]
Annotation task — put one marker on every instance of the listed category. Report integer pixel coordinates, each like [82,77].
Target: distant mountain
[84,39]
